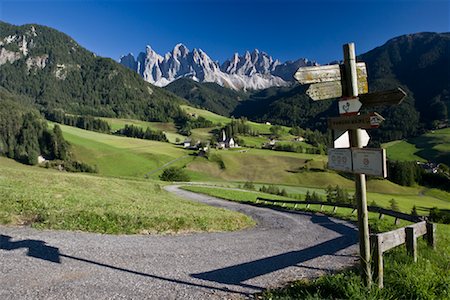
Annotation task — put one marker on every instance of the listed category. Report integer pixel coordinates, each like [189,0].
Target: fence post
[334,209]
[411,242]
[431,235]
[307,205]
[396,222]
[321,207]
[377,259]
[381,216]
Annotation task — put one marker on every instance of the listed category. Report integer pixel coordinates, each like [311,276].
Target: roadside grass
[50,199]
[119,156]
[429,278]
[433,146]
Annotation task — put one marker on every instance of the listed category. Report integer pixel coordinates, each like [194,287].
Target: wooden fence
[381,242]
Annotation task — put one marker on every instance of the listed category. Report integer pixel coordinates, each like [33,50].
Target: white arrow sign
[341,139]
[349,107]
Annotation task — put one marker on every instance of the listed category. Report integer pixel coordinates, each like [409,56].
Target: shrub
[174,174]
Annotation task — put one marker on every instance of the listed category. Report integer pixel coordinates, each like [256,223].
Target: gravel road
[75,265]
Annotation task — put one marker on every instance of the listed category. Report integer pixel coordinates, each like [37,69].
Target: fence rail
[382,242]
[382,211]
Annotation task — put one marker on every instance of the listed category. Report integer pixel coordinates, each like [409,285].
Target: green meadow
[433,146]
[120,156]
[168,128]
[74,201]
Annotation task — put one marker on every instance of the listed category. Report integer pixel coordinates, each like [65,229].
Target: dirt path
[74,265]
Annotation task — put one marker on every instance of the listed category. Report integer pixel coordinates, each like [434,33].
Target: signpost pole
[350,89]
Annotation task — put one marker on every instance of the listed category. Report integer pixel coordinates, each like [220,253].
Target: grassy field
[265,166]
[168,128]
[120,156]
[51,199]
[405,202]
[218,119]
[433,146]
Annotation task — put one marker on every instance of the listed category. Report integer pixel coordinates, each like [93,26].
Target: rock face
[251,71]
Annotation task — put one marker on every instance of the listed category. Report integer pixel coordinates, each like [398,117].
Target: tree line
[138,132]
[83,122]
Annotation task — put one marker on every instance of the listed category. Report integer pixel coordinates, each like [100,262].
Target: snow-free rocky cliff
[251,71]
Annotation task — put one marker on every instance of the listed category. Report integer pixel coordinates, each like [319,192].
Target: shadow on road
[39,249]
[238,274]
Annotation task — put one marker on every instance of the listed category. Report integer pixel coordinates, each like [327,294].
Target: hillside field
[433,146]
[74,201]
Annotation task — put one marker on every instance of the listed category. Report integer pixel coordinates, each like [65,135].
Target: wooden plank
[366,121]
[389,97]
[333,89]
[411,242]
[377,260]
[431,235]
[419,228]
[327,73]
[316,74]
[392,239]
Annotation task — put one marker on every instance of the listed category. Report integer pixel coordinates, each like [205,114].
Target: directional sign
[390,97]
[333,89]
[349,106]
[341,138]
[316,74]
[369,161]
[340,159]
[326,80]
[367,121]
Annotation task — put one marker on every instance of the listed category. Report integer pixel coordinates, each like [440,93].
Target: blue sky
[284,29]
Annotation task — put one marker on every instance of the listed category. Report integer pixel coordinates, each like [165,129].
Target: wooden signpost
[349,81]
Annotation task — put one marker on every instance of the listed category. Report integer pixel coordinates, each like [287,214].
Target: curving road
[74,265]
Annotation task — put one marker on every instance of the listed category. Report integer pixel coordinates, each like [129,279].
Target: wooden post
[411,242]
[431,235]
[321,207]
[377,259]
[334,209]
[350,86]
[396,221]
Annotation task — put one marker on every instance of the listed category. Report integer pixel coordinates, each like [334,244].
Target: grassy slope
[218,119]
[433,146]
[120,156]
[266,166]
[168,128]
[51,199]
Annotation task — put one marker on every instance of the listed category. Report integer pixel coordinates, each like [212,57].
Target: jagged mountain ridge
[251,71]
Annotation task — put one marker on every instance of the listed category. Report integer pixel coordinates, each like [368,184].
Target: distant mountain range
[252,71]
[51,71]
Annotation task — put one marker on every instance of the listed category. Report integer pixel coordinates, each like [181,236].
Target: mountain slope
[51,68]
[208,95]
[421,62]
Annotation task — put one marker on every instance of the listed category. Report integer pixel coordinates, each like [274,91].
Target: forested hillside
[419,63]
[208,95]
[55,72]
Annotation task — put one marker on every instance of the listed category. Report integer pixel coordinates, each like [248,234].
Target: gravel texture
[284,246]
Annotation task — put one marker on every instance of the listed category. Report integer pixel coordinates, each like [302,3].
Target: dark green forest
[78,81]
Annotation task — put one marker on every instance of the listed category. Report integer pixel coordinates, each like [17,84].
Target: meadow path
[74,265]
